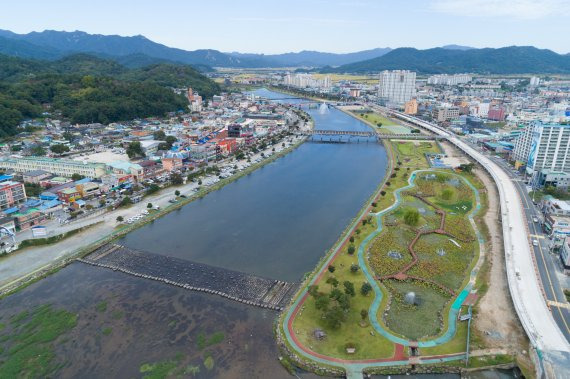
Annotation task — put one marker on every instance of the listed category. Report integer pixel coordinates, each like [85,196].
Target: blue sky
[276,26]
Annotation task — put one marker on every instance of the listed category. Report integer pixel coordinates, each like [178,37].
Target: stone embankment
[244,288]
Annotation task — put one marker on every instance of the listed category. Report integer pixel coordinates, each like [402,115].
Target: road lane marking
[558,304]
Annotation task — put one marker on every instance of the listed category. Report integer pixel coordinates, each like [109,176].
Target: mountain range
[505,60]
[139,51]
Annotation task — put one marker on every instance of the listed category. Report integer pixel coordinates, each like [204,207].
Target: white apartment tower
[544,147]
[397,86]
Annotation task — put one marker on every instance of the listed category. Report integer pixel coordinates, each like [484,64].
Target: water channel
[276,222]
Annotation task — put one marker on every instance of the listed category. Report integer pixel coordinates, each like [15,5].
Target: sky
[278,26]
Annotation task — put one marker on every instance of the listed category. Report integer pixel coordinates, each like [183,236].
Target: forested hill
[89,89]
[505,60]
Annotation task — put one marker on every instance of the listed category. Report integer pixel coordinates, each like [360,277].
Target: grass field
[27,342]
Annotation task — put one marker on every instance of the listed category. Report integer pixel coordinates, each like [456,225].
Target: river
[278,221]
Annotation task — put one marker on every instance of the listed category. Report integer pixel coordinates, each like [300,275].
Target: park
[399,286]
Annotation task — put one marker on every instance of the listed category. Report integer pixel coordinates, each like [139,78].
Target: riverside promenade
[234,285]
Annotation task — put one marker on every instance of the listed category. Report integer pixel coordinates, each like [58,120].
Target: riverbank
[33,264]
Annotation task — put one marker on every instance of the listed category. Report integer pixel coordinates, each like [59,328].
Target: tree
[363,314]
[152,189]
[38,151]
[331,268]
[68,136]
[351,249]
[334,317]
[446,194]
[159,135]
[76,176]
[351,239]
[176,179]
[135,150]
[149,205]
[354,268]
[466,167]
[349,288]
[365,288]
[120,218]
[126,201]
[313,290]
[411,216]
[335,294]
[322,302]
[59,149]
[333,282]
[176,193]
[102,202]
[170,141]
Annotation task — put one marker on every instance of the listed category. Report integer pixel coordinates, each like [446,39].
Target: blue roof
[50,204]
[32,202]
[48,195]
[3,178]
[80,202]
[83,181]
[11,210]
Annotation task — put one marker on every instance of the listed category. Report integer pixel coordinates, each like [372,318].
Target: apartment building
[11,194]
[397,86]
[449,80]
[442,114]
[59,167]
[544,147]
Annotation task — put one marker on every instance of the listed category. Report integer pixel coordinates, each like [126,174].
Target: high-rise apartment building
[397,86]
[544,147]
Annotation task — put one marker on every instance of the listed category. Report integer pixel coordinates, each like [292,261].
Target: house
[25,218]
[171,164]
[35,176]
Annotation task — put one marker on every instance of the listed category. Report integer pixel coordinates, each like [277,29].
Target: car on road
[535,219]
[534,242]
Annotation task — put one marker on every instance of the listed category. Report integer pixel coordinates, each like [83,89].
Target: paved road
[547,263]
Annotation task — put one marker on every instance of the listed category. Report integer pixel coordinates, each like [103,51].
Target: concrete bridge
[369,134]
[234,285]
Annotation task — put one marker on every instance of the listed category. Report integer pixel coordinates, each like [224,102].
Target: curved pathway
[354,367]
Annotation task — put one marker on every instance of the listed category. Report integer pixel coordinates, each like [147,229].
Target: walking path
[354,368]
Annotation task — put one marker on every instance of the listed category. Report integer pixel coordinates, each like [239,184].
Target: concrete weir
[234,285]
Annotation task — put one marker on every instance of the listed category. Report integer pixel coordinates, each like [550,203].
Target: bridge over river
[369,134]
[234,285]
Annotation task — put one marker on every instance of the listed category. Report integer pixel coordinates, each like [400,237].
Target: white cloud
[517,9]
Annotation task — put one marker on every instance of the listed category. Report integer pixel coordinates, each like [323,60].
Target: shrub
[411,216]
[351,249]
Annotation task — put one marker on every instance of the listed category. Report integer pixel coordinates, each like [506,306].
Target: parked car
[534,242]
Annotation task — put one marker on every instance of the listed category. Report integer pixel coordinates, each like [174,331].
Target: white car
[535,219]
[534,242]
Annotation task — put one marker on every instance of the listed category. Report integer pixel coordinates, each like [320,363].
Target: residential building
[555,207]
[11,194]
[442,114]
[496,113]
[411,107]
[557,225]
[449,80]
[535,81]
[60,167]
[544,146]
[171,164]
[35,176]
[28,217]
[397,86]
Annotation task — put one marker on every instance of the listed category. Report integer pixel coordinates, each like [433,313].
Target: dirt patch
[497,323]
[453,157]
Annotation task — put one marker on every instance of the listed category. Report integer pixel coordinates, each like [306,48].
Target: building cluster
[449,80]
[102,162]
[303,80]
